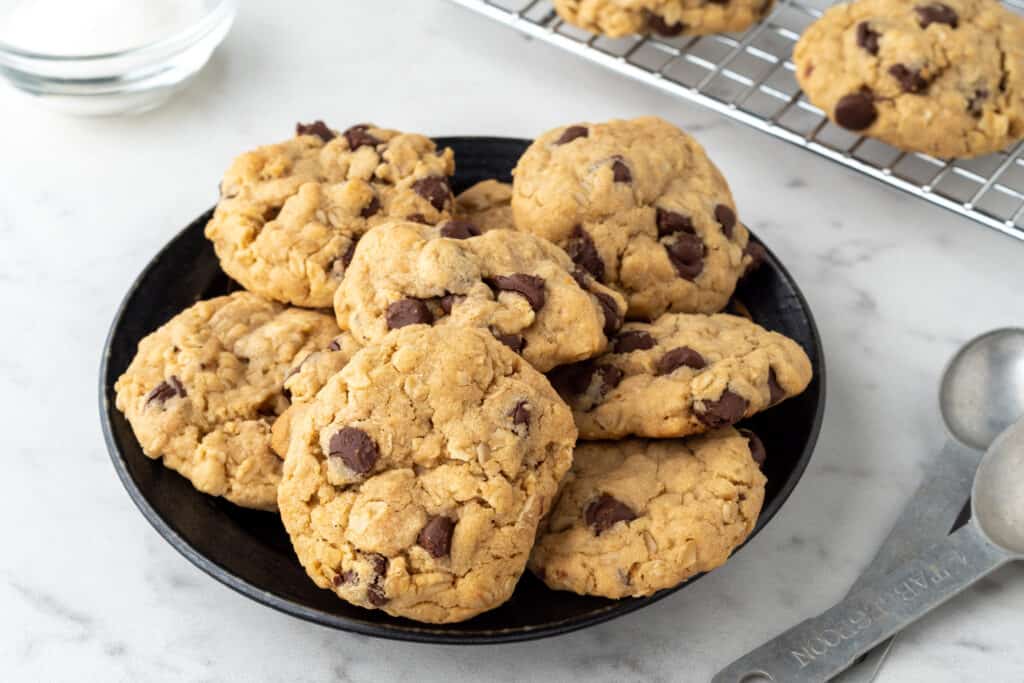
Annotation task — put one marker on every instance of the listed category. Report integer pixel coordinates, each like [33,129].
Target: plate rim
[411,632]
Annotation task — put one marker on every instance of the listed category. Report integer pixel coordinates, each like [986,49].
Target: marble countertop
[91,592]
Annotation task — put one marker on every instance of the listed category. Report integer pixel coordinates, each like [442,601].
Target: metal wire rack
[749,77]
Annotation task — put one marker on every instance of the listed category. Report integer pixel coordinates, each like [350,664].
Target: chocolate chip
[334,345]
[620,172]
[726,217]
[459,229]
[910,81]
[867,38]
[436,536]
[375,595]
[634,340]
[574,379]
[657,23]
[856,111]
[347,576]
[936,13]
[434,189]
[512,341]
[728,409]
[758,255]
[606,512]
[408,312]
[679,357]
[317,128]
[571,133]
[447,302]
[686,253]
[975,103]
[530,286]
[757,451]
[417,218]
[350,251]
[355,448]
[775,391]
[610,376]
[612,316]
[582,251]
[580,276]
[521,414]
[371,209]
[670,222]
[379,564]
[166,390]
[358,136]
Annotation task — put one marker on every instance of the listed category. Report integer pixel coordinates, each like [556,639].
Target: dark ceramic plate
[249,551]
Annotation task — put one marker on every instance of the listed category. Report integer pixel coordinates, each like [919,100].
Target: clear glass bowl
[129,81]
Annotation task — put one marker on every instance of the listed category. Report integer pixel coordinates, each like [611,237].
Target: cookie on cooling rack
[615,18]
[943,78]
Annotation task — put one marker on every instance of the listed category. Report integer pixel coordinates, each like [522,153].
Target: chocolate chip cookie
[290,214]
[636,516]
[522,288]
[943,78]
[668,18]
[203,391]
[639,206]
[415,481]
[304,380]
[682,374]
[487,205]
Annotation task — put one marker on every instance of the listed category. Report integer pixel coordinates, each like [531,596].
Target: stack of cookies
[475,403]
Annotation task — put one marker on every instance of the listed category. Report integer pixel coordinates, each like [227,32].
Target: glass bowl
[127,81]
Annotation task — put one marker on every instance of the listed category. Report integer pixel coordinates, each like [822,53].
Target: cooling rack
[749,77]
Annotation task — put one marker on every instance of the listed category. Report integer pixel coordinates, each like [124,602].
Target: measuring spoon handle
[819,648]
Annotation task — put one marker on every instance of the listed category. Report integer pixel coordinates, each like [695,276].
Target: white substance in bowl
[90,27]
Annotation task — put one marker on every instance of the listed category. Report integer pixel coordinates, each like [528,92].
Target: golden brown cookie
[943,78]
[682,374]
[415,481]
[617,18]
[639,205]
[290,214]
[203,391]
[520,287]
[635,516]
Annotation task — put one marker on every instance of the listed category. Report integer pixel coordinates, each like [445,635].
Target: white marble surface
[90,592]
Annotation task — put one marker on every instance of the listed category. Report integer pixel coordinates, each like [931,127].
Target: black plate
[249,551]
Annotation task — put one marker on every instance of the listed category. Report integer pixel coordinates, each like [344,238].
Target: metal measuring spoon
[981,394]
[819,648]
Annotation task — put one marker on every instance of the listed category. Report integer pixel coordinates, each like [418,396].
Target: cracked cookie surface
[488,205]
[942,78]
[415,481]
[290,214]
[203,391]
[636,516]
[638,205]
[522,288]
[616,18]
[303,381]
[682,374]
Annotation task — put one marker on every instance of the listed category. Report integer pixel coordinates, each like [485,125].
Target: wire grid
[750,77]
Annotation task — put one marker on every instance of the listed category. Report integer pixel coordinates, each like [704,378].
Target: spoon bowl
[996,501]
[982,390]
